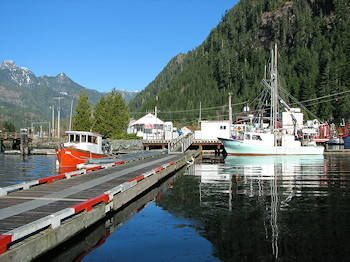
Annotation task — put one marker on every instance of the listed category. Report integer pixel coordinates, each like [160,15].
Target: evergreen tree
[111,115]
[82,117]
[8,126]
[325,109]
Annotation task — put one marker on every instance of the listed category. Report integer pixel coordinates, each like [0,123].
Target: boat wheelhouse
[87,141]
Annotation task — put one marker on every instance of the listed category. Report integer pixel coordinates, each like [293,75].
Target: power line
[193,110]
[320,102]
[318,98]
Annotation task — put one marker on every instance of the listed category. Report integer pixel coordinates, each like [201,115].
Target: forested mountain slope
[314,53]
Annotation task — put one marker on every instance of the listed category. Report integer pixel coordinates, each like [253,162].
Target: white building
[151,127]
[213,130]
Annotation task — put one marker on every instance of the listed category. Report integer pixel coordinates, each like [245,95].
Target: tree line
[109,116]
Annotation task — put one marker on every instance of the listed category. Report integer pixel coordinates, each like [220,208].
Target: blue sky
[102,44]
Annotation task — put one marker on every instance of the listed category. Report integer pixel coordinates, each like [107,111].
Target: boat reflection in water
[292,174]
[273,180]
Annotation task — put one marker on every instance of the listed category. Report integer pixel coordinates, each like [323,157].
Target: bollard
[24,142]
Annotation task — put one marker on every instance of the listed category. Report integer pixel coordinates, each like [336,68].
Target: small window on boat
[71,138]
[247,137]
[222,127]
[83,138]
[94,140]
[90,139]
[255,137]
[77,138]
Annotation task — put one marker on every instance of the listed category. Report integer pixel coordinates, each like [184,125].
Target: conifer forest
[313,39]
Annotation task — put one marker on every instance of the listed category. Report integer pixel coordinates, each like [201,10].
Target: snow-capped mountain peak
[18,75]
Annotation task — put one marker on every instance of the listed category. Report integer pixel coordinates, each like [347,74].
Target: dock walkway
[42,215]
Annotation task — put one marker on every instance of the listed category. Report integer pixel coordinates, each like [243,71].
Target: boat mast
[274,90]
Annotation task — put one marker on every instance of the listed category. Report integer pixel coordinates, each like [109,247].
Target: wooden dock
[203,145]
[16,141]
[39,215]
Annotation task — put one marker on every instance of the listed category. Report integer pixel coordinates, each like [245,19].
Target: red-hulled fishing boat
[80,146]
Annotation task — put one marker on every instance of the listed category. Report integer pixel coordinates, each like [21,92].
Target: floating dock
[39,215]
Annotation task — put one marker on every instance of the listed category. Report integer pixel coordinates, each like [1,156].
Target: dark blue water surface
[286,208]
[17,169]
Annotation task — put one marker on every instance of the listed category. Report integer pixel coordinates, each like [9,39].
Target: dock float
[39,215]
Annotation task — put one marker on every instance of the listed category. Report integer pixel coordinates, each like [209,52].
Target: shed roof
[148,119]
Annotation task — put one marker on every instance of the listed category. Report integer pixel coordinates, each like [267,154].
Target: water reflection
[281,178]
[83,247]
[293,175]
[280,200]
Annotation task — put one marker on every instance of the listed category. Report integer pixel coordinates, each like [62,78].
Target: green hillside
[314,54]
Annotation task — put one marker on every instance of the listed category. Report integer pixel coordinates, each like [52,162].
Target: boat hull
[239,147]
[69,157]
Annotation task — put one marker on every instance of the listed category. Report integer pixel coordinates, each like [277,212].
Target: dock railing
[9,135]
[180,144]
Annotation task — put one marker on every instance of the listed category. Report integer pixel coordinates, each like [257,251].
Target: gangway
[180,144]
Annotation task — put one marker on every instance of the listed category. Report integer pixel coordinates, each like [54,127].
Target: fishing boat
[260,138]
[81,146]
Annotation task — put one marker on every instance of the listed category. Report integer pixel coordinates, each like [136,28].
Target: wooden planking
[39,192]
[34,214]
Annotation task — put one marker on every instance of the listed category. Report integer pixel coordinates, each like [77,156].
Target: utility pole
[58,114]
[200,110]
[70,117]
[230,108]
[53,121]
[155,107]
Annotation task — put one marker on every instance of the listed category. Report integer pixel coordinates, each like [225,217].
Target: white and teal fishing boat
[274,138]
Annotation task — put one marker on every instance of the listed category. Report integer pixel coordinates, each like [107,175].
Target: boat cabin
[269,139]
[88,141]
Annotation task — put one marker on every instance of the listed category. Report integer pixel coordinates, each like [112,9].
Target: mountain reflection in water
[276,208]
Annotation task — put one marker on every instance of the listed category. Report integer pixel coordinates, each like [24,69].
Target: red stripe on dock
[119,162]
[88,204]
[95,168]
[51,178]
[158,169]
[138,178]
[4,241]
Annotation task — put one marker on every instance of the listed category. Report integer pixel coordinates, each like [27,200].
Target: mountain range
[26,98]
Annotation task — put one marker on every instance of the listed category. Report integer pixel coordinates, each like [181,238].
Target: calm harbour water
[16,169]
[280,208]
